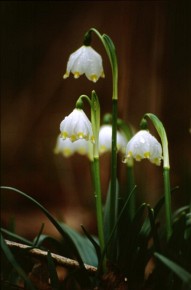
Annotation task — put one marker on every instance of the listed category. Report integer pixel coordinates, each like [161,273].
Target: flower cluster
[68,146]
[76,129]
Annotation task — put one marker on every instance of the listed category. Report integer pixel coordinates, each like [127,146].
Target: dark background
[153,48]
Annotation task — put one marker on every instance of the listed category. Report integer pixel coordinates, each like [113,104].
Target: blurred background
[37,37]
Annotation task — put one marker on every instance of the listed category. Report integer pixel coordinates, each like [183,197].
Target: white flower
[76,126]
[67,148]
[105,136]
[144,145]
[86,61]
[64,147]
[83,147]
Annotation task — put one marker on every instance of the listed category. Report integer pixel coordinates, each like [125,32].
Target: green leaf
[113,234]
[93,241]
[57,225]
[48,240]
[54,281]
[35,241]
[184,275]
[154,233]
[129,241]
[16,237]
[83,244]
[15,265]
[107,207]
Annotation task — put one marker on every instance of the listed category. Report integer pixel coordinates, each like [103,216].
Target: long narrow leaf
[83,244]
[94,243]
[53,221]
[35,241]
[52,271]
[184,275]
[16,237]
[45,239]
[10,257]
[153,228]
[107,211]
[117,222]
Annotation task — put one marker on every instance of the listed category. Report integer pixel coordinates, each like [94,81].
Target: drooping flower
[143,145]
[67,148]
[83,147]
[105,138]
[76,126]
[85,60]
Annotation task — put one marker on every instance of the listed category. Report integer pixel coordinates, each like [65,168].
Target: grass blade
[15,265]
[178,270]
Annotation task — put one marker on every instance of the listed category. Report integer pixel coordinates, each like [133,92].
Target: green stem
[167,193]
[95,120]
[99,212]
[113,166]
[166,169]
[111,52]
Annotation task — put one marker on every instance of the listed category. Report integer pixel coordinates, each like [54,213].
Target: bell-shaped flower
[83,147]
[86,61]
[105,138]
[67,148]
[76,126]
[144,145]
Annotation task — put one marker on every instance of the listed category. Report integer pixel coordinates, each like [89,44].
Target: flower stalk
[95,120]
[111,52]
[166,169]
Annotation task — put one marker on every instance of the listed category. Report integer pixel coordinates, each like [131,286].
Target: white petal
[76,126]
[64,147]
[105,139]
[86,61]
[105,135]
[144,145]
[121,142]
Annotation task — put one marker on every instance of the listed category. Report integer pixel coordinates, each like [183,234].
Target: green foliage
[130,241]
[130,247]
[83,245]
[16,267]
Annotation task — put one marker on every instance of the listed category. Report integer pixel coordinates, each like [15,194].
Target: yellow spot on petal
[64,135]
[73,138]
[67,152]
[138,157]
[103,75]
[66,75]
[103,149]
[81,151]
[81,135]
[76,75]
[94,78]
[130,154]
[156,161]
[147,155]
